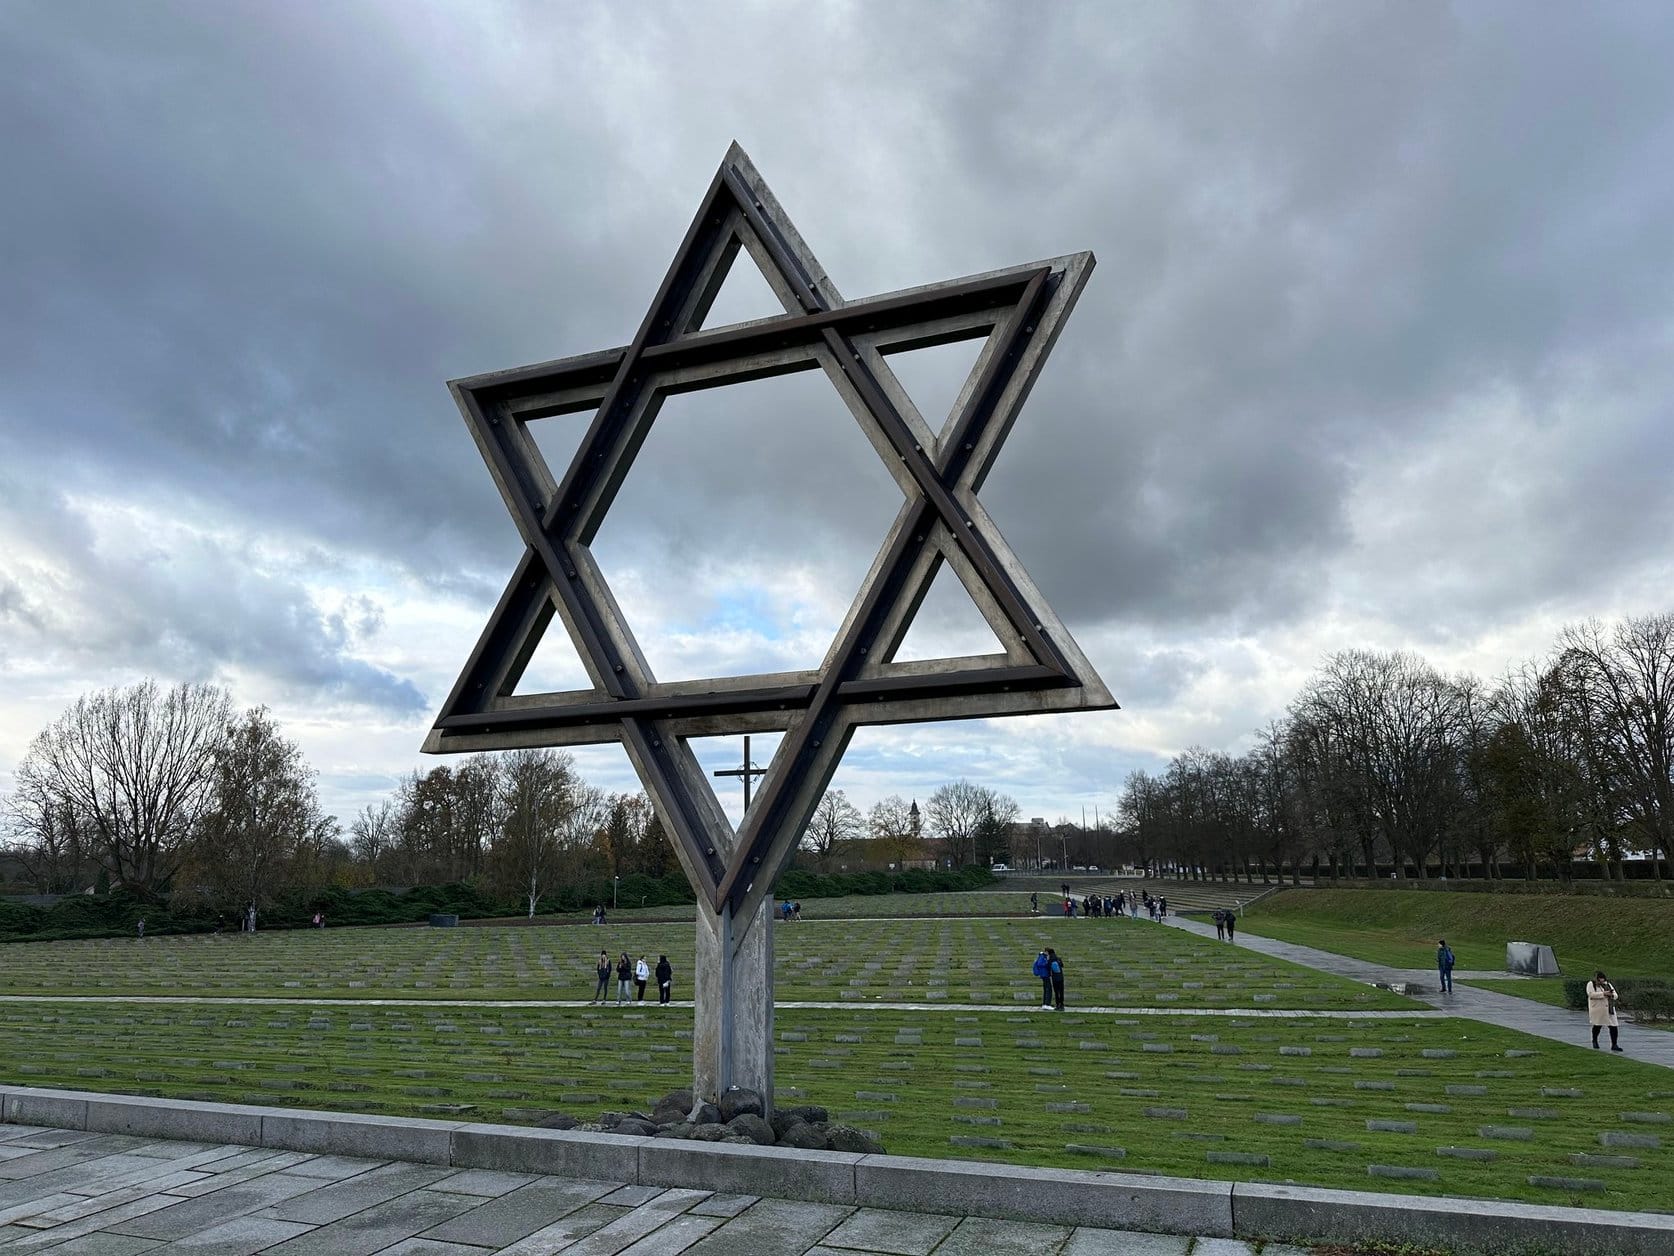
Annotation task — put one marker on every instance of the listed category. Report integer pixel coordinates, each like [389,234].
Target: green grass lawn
[1625,937]
[1232,1096]
[1185,1095]
[1126,963]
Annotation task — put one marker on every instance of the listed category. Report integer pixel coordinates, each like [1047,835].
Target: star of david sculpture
[1018,313]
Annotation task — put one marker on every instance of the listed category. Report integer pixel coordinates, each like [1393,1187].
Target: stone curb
[1015,1192]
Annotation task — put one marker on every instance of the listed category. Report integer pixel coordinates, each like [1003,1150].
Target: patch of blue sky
[738,610]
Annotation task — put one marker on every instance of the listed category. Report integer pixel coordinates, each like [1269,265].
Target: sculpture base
[732,1021]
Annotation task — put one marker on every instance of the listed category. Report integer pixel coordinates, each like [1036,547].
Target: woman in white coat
[642,974]
[1601,1009]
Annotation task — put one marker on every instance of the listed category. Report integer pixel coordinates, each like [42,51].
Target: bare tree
[372,837]
[835,822]
[263,830]
[46,836]
[1397,720]
[1626,679]
[133,770]
[539,791]
[956,812]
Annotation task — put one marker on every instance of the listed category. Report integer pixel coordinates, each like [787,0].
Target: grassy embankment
[1627,937]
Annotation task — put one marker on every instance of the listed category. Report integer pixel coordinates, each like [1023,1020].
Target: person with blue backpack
[1444,965]
[1043,970]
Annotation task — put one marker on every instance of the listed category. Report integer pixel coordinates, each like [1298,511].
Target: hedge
[1648,998]
[116,914]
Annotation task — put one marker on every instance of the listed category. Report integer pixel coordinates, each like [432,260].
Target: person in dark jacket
[624,974]
[1043,970]
[1055,968]
[1220,925]
[604,978]
[1231,926]
[665,979]
[1444,965]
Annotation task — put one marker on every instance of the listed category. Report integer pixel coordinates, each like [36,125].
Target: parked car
[1000,868]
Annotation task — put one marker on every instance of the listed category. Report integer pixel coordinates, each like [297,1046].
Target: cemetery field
[1184,896]
[1436,1106]
[1116,963]
[1623,936]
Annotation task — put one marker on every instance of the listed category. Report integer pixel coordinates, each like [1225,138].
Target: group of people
[639,973]
[790,911]
[1049,967]
[1104,905]
[1226,925]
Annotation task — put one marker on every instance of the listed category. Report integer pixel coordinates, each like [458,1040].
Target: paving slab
[191,1216]
[490,1183]
[519,1213]
[241,1236]
[899,1233]
[773,1227]
[985,1236]
[379,1226]
[106,1245]
[635,1225]
[674,1237]
[321,1205]
[1093,1242]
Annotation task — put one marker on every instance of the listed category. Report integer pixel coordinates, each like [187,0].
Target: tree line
[1384,766]
[172,792]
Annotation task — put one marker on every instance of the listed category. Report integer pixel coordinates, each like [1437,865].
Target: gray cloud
[1379,326]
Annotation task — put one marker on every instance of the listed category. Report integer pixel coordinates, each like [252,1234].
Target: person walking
[1444,966]
[1055,967]
[624,973]
[665,980]
[1220,925]
[1601,1010]
[1034,903]
[1043,970]
[141,927]
[642,974]
[604,978]
[1231,925]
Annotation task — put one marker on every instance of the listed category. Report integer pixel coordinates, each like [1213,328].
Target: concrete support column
[732,1022]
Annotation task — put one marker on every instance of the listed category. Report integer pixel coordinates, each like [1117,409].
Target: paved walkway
[77,1194]
[1560,1024]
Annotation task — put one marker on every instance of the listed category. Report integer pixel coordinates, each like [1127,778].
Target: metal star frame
[1018,311]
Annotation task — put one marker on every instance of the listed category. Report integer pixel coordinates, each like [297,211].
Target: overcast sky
[1379,350]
